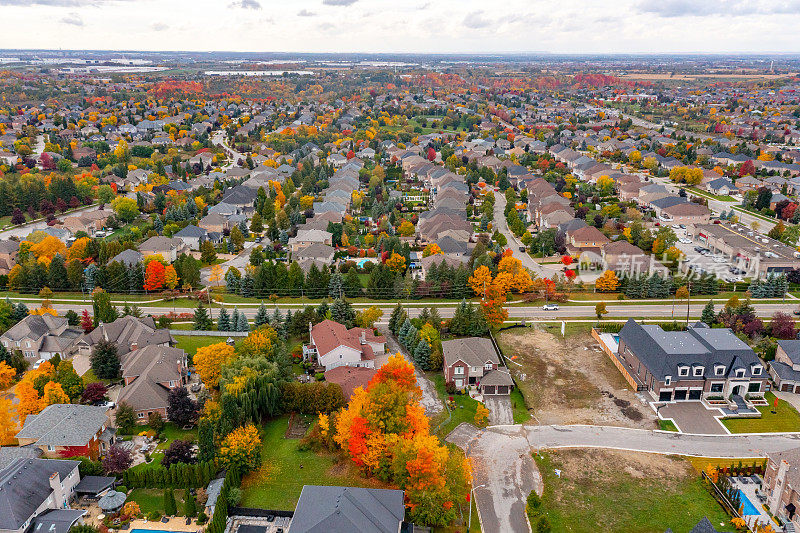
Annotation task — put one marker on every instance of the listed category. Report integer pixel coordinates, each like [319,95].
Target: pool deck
[749,491]
[173,524]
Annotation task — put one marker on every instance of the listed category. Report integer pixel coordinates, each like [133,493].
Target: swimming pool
[748,508]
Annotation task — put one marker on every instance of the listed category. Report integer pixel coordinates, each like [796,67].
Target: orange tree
[608,282]
[493,303]
[385,432]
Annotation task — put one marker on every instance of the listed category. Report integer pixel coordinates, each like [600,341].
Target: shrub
[123,489]
[201,518]
[154,516]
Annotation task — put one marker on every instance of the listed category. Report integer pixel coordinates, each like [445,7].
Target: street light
[472,493]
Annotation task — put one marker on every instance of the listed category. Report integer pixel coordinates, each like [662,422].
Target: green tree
[189,505]
[201,319]
[170,509]
[105,360]
[708,315]
[125,418]
[237,239]
[207,252]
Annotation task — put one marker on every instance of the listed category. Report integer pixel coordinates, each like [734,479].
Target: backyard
[624,491]
[285,469]
[784,418]
[570,381]
[150,500]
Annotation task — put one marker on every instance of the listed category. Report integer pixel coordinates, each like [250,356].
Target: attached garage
[497,383]
[680,394]
[695,394]
[786,387]
[489,389]
[665,396]
[503,389]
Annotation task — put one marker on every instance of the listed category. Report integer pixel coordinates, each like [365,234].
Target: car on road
[550,307]
[522,249]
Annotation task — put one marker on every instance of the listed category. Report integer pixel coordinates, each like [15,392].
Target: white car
[684,240]
[718,259]
[550,307]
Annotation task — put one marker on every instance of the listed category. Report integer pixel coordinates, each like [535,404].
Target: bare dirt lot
[571,381]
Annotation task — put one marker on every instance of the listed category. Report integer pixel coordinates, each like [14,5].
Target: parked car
[684,240]
[550,307]
[522,249]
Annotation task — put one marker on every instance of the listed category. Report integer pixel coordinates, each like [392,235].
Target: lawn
[667,425]
[190,343]
[786,418]
[171,432]
[285,469]
[464,410]
[624,491]
[521,414]
[150,500]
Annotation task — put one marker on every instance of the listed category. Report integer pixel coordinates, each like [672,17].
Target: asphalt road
[514,243]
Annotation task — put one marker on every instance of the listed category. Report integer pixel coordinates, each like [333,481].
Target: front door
[680,394]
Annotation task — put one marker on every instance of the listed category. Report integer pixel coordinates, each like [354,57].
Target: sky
[412,26]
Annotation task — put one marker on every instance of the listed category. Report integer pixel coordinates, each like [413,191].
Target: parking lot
[701,260]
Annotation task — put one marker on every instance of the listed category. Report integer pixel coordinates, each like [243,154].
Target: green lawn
[285,469]
[150,500]
[521,414]
[667,425]
[464,410]
[720,197]
[190,343]
[786,418]
[616,491]
[171,432]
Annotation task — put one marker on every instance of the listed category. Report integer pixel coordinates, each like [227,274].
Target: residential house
[624,258]
[148,374]
[168,248]
[687,213]
[8,255]
[785,368]
[348,510]
[782,485]
[473,361]
[349,378]
[214,222]
[307,237]
[332,345]
[128,333]
[69,430]
[689,365]
[129,258]
[41,337]
[192,236]
[586,239]
[315,254]
[35,492]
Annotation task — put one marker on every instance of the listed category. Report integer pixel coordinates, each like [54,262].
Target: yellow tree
[49,247]
[29,403]
[520,279]
[396,263]
[6,375]
[241,449]
[216,275]
[170,277]
[481,416]
[431,249]
[208,362]
[368,317]
[480,279]
[8,427]
[53,394]
[608,282]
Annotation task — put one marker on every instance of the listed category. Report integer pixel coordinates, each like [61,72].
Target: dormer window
[719,370]
[740,372]
[756,370]
[698,371]
[667,380]
[683,370]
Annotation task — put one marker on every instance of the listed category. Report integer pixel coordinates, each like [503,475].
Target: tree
[105,360]
[237,239]
[396,262]
[181,409]
[103,310]
[481,416]
[207,252]
[600,310]
[93,393]
[708,315]
[368,317]
[241,449]
[8,425]
[170,508]
[125,417]
[422,355]
[170,277]
[6,375]
[480,279]
[179,451]
[70,381]
[493,305]
[208,362]
[202,322]
[607,282]
[117,460]
[783,326]
[125,209]
[154,276]
[224,320]
[189,504]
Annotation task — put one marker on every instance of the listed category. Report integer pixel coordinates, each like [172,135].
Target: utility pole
[688,299]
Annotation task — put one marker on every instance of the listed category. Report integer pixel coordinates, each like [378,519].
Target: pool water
[748,508]
[615,337]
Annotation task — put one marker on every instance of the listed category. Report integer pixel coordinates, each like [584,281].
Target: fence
[209,333]
[258,513]
[614,359]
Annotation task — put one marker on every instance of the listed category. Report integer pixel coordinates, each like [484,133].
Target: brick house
[473,361]
[781,483]
[149,374]
[690,365]
[69,430]
[332,345]
[785,368]
[128,333]
[41,337]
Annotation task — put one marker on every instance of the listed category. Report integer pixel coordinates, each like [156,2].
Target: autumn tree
[170,277]
[7,375]
[154,276]
[208,362]
[368,317]
[493,305]
[8,424]
[481,416]
[53,394]
[480,279]
[29,401]
[431,249]
[396,262]
[240,450]
[607,282]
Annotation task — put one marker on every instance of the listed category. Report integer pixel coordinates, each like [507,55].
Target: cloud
[326,26]
[246,4]
[56,3]
[339,3]
[73,19]
[722,8]
[159,26]
[476,20]
[306,13]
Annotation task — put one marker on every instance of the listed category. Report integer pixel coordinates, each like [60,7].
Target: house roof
[329,335]
[350,378]
[791,456]
[126,331]
[792,349]
[348,510]
[65,424]
[474,351]
[25,485]
[56,520]
[35,326]
[128,258]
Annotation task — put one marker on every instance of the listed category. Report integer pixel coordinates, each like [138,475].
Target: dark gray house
[785,369]
[690,365]
[348,510]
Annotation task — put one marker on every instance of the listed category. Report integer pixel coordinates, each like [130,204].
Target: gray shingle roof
[474,351]
[64,425]
[348,510]
[25,485]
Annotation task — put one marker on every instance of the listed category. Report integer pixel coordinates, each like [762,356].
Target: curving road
[514,243]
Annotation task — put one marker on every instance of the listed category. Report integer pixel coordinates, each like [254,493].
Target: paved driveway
[430,398]
[503,475]
[693,417]
[500,412]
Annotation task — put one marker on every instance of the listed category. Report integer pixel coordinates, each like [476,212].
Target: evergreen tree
[403,331]
[246,285]
[205,440]
[241,323]
[189,505]
[342,312]
[136,279]
[170,509]
[262,316]
[201,318]
[352,284]
[708,315]
[422,355]
[336,286]
[395,320]
[224,320]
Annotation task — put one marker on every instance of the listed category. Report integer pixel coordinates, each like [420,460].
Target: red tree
[747,168]
[154,276]
[431,154]
[86,322]
[783,326]
[566,260]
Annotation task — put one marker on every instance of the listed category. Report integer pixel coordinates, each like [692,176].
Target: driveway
[430,398]
[503,474]
[693,417]
[514,243]
[500,412]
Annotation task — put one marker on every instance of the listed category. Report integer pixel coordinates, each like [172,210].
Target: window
[740,372]
[140,415]
[698,371]
[51,448]
[719,370]
[756,370]
[717,387]
[459,370]
[488,366]
[683,370]
[476,369]
[755,386]
[667,380]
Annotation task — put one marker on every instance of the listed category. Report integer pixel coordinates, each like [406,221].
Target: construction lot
[571,381]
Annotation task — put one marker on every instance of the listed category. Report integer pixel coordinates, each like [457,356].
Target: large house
[689,365]
[473,361]
[128,333]
[149,373]
[35,495]
[348,510]
[785,368]
[41,337]
[69,430]
[331,345]
[782,485]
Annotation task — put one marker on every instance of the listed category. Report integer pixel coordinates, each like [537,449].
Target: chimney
[363,336]
[134,346]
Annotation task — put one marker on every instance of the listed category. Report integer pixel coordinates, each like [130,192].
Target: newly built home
[474,362]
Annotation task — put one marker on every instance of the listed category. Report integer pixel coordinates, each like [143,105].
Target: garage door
[665,396]
[797,389]
[695,394]
[680,394]
[786,387]
[488,389]
[502,389]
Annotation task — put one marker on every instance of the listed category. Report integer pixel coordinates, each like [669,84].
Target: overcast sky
[470,26]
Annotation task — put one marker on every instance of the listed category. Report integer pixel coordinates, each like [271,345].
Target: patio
[750,487]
